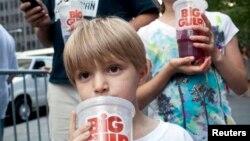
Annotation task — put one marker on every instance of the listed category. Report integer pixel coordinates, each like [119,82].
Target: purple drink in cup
[185,45]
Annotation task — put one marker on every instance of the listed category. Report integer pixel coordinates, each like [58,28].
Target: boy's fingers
[82,137]
[81,133]
[72,124]
[82,130]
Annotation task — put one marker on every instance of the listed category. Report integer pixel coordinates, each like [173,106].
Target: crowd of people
[45,20]
[128,49]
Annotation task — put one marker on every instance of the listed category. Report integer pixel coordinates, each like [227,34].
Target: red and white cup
[111,118]
[69,12]
[188,14]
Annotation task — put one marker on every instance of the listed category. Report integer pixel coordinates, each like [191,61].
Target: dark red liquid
[186,45]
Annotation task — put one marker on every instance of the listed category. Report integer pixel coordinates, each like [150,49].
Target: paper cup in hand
[69,12]
[188,14]
[111,118]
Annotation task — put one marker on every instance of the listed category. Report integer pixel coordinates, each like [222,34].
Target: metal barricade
[28,92]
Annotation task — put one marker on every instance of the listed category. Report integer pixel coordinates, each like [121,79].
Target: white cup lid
[106,100]
[201,4]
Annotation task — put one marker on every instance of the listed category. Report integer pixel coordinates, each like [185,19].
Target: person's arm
[230,64]
[39,18]
[81,133]
[151,89]
[44,36]
[143,19]
[13,64]
[231,67]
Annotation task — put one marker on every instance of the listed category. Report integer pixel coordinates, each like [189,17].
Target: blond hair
[102,40]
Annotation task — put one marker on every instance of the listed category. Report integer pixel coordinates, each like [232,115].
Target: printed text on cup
[74,16]
[107,128]
[190,16]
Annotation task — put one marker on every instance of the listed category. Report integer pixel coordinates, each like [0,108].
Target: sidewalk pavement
[240,108]
[33,131]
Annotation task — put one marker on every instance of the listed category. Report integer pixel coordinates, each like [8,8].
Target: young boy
[105,56]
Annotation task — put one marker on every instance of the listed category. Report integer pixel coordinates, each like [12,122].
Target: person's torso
[192,101]
[7,54]
[7,61]
[125,9]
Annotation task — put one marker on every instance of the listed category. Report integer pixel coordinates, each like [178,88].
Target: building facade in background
[12,18]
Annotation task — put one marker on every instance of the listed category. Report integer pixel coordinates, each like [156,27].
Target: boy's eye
[84,75]
[114,69]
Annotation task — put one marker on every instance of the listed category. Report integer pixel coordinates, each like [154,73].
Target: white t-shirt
[166,131]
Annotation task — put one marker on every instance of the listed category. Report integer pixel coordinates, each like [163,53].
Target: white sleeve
[143,35]
[12,53]
[229,28]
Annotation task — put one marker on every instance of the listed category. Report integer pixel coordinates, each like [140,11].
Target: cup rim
[198,3]
[67,4]
[109,100]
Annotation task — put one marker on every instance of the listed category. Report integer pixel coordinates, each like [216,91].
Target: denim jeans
[1,129]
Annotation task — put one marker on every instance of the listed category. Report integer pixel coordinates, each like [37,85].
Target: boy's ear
[144,74]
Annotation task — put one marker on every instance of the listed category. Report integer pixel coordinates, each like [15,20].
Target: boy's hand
[38,16]
[184,65]
[80,134]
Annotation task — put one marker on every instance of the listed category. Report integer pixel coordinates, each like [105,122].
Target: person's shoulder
[2,29]
[151,24]
[216,14]
[4,33]
[148,28]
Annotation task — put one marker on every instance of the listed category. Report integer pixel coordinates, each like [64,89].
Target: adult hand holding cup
[111,118]
[188,14]
[69,12]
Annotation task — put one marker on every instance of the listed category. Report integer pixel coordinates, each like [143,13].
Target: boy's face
[116,78]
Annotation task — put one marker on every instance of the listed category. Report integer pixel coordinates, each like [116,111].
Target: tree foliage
[239,11]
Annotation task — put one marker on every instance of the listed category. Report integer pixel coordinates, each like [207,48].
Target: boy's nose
[100,85]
